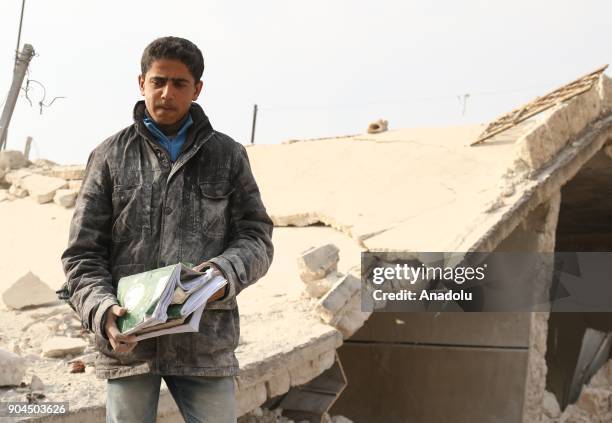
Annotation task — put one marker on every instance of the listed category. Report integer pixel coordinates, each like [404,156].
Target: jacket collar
[199,131]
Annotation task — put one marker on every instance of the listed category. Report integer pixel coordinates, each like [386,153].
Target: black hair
[174,48]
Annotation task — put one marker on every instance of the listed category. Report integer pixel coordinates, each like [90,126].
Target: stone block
[42,188]
[317,262]
[65,198]
[12,368]
[351,322]
[338,296]
[60,346]
[340,419]
[72,172]
[319,287]
[11,159]
[15,177]
[28,291]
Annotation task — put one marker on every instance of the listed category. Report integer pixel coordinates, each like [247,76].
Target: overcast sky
[316,68]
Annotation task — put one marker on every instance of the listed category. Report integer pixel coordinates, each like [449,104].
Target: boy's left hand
[216,271]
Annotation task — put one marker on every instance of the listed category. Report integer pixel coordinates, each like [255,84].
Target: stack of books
[166,300]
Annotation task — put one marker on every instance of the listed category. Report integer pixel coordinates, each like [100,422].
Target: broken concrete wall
[555,128]
[537,234]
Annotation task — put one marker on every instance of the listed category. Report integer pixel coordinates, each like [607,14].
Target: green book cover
[140,295]
[174,311]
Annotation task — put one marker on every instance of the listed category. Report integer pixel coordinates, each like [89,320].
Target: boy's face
[168,88]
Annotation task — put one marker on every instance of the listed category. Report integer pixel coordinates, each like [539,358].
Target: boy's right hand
[120,343]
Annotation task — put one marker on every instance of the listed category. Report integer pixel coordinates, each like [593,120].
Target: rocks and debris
[316,262]
[65,198]
[377,127]
[17,192]
[317,267]
[341,306]
[550,406]
[12,368]
[45,164]
[42,188]
[28,291]
[61,346]
[319,287]
[264,415]
[43,180]
[69,173]
[34,397]
[594,402]
[11,159]
[16,176]
[37,385]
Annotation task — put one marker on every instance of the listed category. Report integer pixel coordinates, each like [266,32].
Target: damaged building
[536,180]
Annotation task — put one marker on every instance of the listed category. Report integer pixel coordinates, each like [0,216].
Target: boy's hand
[120,343]
[216,271]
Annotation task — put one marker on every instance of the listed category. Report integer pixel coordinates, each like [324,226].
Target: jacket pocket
[219,332]
[211,204]
[131,211]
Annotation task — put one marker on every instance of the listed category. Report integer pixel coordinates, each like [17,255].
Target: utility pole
[19,32]
[21,66]
[253,127]
[26,151]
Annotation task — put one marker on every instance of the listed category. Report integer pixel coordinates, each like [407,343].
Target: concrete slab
[391,191]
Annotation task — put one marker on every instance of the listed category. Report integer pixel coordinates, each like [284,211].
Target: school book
[167,300]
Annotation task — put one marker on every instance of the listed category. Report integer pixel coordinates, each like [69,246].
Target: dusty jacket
[137,211]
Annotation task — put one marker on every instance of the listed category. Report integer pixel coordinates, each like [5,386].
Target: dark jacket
[137,211]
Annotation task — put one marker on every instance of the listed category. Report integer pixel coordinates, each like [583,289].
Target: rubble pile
[45,339]
[42,180]
[263,415]
[338,295]
[593,405]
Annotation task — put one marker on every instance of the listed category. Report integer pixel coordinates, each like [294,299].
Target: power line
[399,102]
